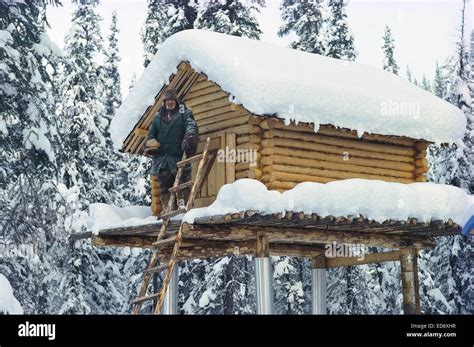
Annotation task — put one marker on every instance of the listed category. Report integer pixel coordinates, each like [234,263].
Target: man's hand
[151,147]
[152,143]
[190,143]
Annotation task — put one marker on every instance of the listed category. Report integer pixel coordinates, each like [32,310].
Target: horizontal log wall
[236,129]
[249,147]
[291,154]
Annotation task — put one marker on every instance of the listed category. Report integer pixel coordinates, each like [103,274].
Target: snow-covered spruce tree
[209,289]
[425,84]
[460,95]
[339,41]
[233,17]
[217,286]
[89,280]
[454,165]
[439,83]
[347,290]
[181,16]
[388,48]
[289,282]
[82,113]
[383,285]
[28,151]
[154,30]
[119,166]
[191,274]
[442,159]
[363,289]
[306,20]
[409,74]
[387,290]
[437,287]
[113,95]
[165,18]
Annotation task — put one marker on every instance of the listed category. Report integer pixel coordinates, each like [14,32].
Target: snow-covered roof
[373,199]
[272,80]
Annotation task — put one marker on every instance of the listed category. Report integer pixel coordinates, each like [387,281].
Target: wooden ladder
[206,159]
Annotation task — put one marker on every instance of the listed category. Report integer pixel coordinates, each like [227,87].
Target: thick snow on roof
[104,216]
[268,79]
[376,200]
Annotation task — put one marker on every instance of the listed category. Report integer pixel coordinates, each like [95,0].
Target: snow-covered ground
[295,85]
[8,303]
[377,200]
[104,216]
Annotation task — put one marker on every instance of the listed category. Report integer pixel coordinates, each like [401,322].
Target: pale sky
[424,31]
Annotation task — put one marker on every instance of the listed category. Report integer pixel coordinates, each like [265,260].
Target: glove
[190,143]
[152,143]
[151,147]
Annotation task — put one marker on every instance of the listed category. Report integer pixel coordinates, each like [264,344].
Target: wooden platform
[291,234]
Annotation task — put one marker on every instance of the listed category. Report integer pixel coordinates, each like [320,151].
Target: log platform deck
[290,234]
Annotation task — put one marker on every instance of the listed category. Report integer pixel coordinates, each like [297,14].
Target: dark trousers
[166,180]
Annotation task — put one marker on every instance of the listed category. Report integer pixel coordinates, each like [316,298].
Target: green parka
[170,135]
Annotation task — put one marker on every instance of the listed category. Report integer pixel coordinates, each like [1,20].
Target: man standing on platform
[172,131]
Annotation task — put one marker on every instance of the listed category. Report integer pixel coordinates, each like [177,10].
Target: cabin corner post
[263,277]
[170,305]
[318,285]
[410,285]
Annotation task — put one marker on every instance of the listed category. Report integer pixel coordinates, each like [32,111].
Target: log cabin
[312,136]
[283,117]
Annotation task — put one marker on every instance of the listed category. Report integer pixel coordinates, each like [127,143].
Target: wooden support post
[318,285]
[263,276]
[410,285]
[263,249]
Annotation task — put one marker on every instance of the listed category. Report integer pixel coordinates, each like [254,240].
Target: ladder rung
[156,269]
[181,186]
[145,298]
[189,160]
[164,242]
[172,213]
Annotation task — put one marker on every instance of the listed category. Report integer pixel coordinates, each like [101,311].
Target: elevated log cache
[280,155]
